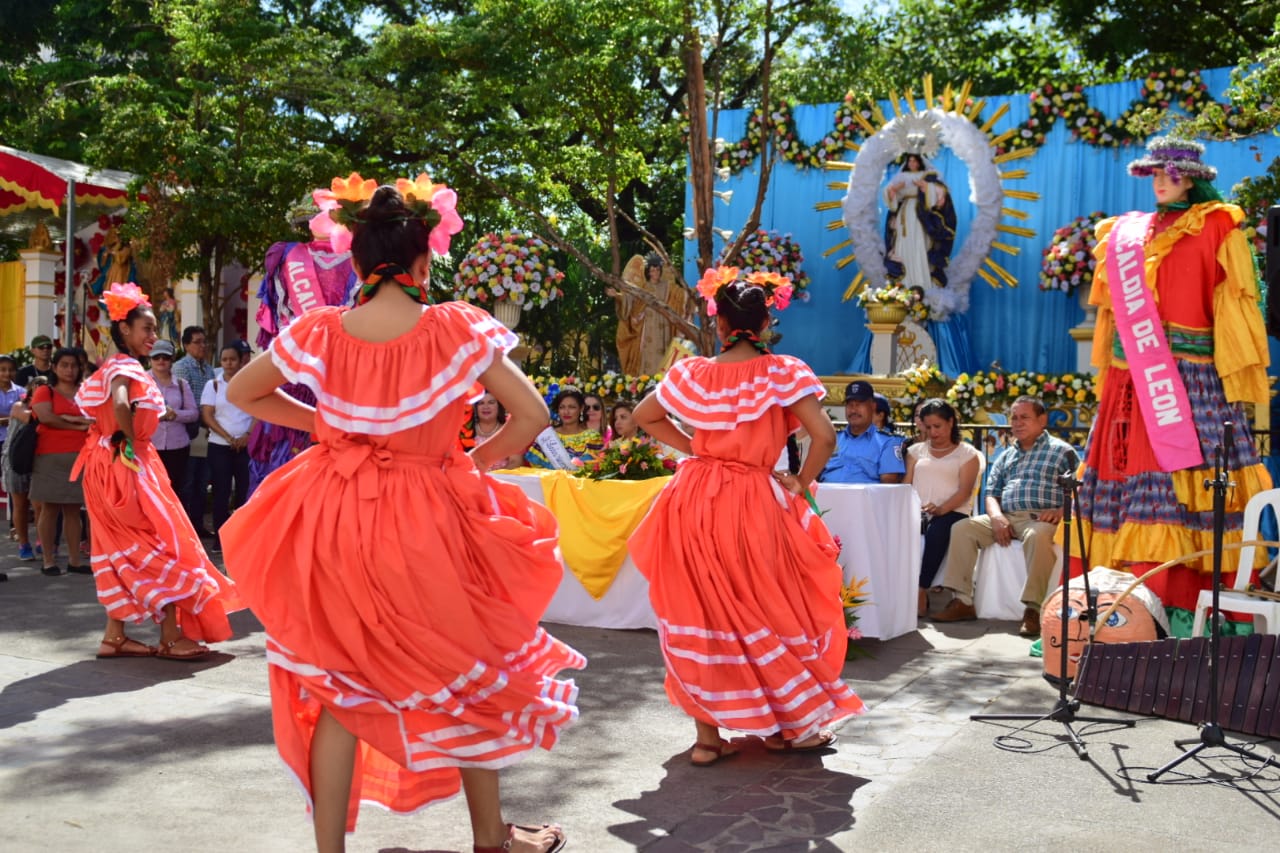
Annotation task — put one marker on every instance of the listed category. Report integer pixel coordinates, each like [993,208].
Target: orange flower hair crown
[340,206]
[778,288]
[123,298]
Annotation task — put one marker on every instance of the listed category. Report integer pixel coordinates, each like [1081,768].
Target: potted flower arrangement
[972,393]
[637,458]
[508,273]
[888,304]
[1068,262]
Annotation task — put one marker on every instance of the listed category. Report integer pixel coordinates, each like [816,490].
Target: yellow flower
[978,391]
[854,593]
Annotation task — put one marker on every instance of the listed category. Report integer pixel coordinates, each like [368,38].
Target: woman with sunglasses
[595,415]
[171,439]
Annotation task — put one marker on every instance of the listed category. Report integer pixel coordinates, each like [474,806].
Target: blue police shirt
[863,458]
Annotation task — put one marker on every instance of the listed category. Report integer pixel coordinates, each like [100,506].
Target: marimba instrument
[1169,678]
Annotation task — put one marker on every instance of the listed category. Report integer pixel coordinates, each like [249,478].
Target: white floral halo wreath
[860,207]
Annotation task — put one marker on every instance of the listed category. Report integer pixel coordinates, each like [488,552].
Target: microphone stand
[1064,710]
[1211,733]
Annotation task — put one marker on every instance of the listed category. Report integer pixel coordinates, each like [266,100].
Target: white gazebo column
[39,302]
[251,327]
[884,348]
[190,310]
[1083,334]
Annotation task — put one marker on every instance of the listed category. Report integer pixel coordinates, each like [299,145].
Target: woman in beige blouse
[945,472]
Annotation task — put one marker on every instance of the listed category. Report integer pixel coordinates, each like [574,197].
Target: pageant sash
[301,285]
[549,443]
[1162,397]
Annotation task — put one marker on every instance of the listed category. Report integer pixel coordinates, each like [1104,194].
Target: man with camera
[1024,502]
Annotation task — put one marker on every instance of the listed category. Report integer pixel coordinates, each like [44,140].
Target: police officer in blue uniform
[863,454]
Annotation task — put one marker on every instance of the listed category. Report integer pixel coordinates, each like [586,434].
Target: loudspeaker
[1273,271]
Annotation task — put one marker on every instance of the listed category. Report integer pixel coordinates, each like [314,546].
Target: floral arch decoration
[949,121]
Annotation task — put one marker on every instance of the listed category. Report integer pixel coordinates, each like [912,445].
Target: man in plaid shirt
[1024,502]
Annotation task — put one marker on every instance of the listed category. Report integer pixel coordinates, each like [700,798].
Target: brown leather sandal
[556,845]
[723,749]
[825,740]
[118,648]
[166,652]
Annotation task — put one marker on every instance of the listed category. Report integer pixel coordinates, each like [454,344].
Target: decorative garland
[1051,101]
[1161,90]
[843,135]
[1068,261]
[769,251]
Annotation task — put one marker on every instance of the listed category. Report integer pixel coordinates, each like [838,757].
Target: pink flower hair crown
[122,298]
[341,205]
[777,288]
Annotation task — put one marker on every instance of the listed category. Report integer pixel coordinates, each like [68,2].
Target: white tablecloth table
[880,529]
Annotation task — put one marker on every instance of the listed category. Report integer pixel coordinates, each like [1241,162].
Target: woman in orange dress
[742,574]
[400,586]
[147,560]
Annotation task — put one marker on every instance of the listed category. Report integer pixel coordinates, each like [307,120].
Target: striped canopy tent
[36,188]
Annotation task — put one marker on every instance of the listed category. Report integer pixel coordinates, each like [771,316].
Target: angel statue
[920,227]
[644,334]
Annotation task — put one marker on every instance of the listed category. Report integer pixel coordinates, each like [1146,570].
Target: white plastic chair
[1266,614]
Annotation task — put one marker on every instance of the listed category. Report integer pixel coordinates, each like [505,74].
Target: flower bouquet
[512,267]
[1068,260]
[769,251]
[636,458]
[852,596]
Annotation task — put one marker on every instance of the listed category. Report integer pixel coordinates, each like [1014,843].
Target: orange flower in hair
[712,281]
[123,298]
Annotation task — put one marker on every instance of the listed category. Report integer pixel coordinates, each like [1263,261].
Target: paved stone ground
[146,755]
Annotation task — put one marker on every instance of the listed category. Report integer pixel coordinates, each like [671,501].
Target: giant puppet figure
[299,277]
[1180,348]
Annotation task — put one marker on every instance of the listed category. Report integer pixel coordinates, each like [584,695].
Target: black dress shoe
[51,571]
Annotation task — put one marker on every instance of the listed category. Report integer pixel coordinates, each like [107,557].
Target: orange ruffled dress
[146,555]
[742,575]
[401,588]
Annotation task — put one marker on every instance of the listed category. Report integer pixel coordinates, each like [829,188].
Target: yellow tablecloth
[596,517]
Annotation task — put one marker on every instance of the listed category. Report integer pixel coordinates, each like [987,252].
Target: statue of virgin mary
[920,227]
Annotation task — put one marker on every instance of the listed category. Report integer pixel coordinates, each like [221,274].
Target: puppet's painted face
[1130,623]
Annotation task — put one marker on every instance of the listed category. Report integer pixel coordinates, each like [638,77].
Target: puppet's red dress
[1134,515]
[742,575]
[401,588]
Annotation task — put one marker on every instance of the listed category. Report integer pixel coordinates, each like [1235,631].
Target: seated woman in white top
[945,472]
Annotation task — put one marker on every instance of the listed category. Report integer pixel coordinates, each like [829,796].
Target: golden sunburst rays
[959,103]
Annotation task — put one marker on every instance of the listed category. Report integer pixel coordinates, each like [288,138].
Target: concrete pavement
[142,755]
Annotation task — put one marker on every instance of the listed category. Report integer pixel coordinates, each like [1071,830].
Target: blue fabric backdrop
[1023,328]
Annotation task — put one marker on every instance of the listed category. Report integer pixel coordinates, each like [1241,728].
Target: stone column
[1083,334]
[884,348]
[39,302]
[190,311]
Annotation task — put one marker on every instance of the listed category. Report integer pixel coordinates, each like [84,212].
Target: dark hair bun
[743,305]
[386,204]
